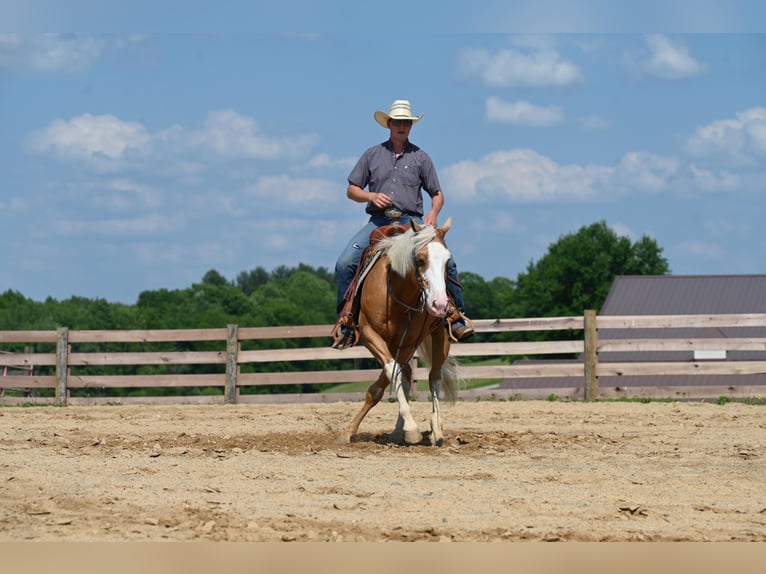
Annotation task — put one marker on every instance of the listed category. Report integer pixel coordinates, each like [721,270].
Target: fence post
[591,356]
[232,350]
[62,365]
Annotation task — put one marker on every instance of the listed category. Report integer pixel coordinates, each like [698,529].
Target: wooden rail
[70,363]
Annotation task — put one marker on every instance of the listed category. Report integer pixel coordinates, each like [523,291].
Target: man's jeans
[345,267]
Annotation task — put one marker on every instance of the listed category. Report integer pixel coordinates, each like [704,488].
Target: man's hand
[381,200]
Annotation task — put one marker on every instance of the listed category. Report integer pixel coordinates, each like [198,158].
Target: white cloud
[523,175]
[707,180]
[669,60]
[234,135]
[736,141]
[541,65]
[101,140]
[108,144]
[643,171]
[523,113]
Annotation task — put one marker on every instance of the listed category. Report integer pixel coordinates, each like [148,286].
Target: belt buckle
[393,213]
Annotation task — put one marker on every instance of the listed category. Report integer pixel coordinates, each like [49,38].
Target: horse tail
[450,375]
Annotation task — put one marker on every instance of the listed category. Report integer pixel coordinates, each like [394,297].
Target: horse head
[430,257]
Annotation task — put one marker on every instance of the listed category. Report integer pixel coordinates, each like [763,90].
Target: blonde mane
[400,248]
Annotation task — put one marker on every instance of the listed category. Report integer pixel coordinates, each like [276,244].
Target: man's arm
[437,202]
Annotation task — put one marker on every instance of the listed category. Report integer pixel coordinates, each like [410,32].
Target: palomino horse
[403,307]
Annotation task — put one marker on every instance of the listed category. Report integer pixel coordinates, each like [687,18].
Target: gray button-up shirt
[400,178]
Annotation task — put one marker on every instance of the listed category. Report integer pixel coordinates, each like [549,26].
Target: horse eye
[421,261]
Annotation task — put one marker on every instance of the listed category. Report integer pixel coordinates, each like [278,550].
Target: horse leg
[401,377]
[437,433]
[371,398]
[398,434]
[438,356]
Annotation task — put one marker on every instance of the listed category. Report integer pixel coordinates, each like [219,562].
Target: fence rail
[579,378]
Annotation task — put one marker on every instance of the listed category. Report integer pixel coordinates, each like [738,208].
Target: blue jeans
[345,267]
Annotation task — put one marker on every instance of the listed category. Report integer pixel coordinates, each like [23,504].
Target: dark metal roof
[686,295]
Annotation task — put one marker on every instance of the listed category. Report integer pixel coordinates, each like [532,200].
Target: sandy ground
[509,471]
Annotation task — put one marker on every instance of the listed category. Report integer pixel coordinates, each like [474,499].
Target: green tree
[249,281]
[213,277]
[579,269]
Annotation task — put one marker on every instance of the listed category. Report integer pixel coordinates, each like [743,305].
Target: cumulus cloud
[108,144]
[234,135]
[668,59]
[738,141]
[523,113]
[536,64]
[103,141]
[646,171]
[523,175]
[707,180]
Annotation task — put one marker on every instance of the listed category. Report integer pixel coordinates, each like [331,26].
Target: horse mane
[400,248]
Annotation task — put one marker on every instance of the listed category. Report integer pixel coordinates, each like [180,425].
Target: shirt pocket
[409,176]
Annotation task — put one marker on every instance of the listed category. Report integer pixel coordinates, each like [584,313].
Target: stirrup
[344,336]
[467,331]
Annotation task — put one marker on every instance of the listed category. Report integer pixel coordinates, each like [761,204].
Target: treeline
[576,274]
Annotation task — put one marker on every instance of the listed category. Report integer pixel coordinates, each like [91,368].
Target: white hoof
[413,437]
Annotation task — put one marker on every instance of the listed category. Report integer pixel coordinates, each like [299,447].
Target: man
[395,173]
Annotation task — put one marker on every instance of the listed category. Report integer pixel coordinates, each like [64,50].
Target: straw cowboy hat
[400,110]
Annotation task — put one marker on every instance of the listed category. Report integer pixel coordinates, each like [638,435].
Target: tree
[249,281]
[213,277]
[579,269]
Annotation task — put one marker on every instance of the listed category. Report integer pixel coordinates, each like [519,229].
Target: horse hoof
[412,437]
[437,442]
[343,438]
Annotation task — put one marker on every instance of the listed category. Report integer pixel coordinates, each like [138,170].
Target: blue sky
[138,155]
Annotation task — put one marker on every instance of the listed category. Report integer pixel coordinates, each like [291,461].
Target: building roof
[686,295]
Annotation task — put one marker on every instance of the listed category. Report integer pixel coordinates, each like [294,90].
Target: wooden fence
[580,377]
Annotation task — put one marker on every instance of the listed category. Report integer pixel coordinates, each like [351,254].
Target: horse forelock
[400,248]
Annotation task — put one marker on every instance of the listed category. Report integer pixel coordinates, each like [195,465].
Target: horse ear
[447,225]
[415,225]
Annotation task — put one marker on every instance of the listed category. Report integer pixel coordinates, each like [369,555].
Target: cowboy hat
[400,110]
